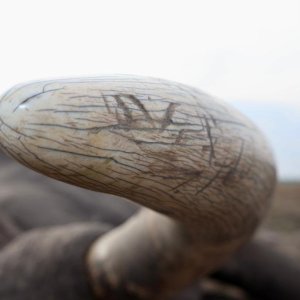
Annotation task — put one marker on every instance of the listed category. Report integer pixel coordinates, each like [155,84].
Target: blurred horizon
[280,123]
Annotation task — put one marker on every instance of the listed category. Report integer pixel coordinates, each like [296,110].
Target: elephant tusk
[203,172]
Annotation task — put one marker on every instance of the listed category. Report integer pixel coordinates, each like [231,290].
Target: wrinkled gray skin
[46,228]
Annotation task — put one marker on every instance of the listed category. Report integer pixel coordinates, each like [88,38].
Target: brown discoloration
[167,120]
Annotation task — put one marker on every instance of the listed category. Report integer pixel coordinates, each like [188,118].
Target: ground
[281,229]
[283,221]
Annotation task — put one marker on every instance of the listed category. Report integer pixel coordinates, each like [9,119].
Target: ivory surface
[164,145]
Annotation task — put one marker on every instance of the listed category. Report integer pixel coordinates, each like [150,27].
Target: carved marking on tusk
[164,145]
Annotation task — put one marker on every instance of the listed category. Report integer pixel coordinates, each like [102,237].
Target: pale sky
[240,51]
[236,50]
